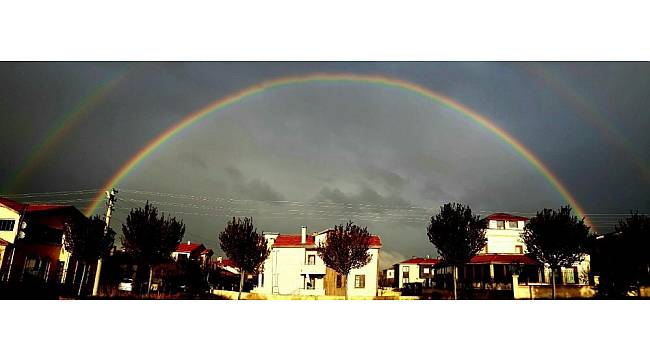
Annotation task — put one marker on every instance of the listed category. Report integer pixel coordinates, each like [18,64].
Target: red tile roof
[294,240]
[503,259]
[507,217]
[420,261]
[291,240]
[16,206]
[228,262]
[188,248]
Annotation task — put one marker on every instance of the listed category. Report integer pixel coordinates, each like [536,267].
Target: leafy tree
[244,246]
[346,248]
[556,238]
[87,241]
[150,239]
[622,258]
[457,235]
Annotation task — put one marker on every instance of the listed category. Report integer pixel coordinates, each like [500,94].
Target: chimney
[303,238]
[188,242]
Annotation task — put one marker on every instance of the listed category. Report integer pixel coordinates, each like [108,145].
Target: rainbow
[438,98]
[66,123]
[590,112]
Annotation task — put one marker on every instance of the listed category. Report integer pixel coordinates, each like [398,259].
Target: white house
[194,252]
[504,251]
[414,270]
[294,268]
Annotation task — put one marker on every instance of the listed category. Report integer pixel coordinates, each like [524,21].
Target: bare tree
[346,248]
[457,235]
[244,246]
[556,238]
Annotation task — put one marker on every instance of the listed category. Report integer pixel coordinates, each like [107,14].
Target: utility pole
[110,204]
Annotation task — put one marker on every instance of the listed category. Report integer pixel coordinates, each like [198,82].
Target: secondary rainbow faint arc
[67,123]
[590,112]
[443,100]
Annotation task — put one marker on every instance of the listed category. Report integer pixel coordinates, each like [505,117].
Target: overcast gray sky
[315,154]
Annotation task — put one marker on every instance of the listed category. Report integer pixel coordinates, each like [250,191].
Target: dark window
[513,224]
[359,281]
[7,225]
[310,283]
[339,281]
[501,224]
[311,259]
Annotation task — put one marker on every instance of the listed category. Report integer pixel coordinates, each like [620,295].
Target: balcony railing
[313,269]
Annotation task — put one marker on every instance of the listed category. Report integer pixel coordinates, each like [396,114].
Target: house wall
[504,241]
[26,249]
[283,268]
[414,274]
[370,271]
[9,214]
[545,291]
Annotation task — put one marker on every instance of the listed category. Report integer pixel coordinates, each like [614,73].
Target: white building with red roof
[294,268]
[505,252]
[192,251]
[414,270]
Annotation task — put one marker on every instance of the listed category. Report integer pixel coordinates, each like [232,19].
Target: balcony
[318,269]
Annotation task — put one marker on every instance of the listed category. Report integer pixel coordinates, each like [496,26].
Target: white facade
[294,268]
[504,236]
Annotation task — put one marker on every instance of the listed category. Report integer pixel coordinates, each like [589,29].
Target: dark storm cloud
[251,189]
[389,179]
[365,196]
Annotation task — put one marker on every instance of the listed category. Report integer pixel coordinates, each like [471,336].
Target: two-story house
[294,268]
[414,270]
[505,252]
[37,255]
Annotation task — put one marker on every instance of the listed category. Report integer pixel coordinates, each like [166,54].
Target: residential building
[387,278]
[194,252]
[414,270]
[39,256]
[503,254]
[294,268]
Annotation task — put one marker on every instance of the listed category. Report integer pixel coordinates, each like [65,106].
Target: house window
[7,225]
[519,249]
[311,259]
[426,270]
[501,224]
[513,224]
[359,281]
[569,275]
[339,281]
[405,272]
[182,256]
